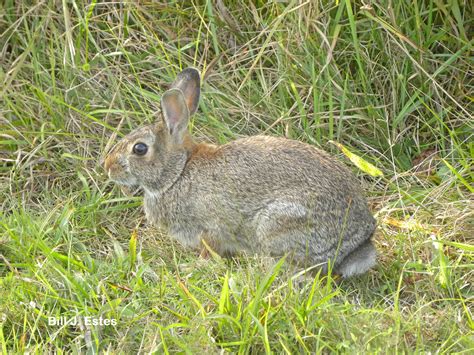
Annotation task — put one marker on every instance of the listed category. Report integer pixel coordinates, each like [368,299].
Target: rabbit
[260,195]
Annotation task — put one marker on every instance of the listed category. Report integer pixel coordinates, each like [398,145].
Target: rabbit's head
[154,156]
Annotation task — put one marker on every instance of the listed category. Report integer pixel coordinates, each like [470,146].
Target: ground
[389,83]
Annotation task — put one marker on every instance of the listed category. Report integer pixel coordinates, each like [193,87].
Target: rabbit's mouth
[128,185]
[129,181]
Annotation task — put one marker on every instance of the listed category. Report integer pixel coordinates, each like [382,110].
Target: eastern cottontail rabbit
[260,194]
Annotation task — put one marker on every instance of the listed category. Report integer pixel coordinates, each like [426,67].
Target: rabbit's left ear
[175,114]
[189,82]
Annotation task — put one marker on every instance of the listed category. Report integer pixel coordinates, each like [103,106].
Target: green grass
[393,84]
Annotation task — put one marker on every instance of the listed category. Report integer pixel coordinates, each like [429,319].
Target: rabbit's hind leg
[358,261]
[286,228]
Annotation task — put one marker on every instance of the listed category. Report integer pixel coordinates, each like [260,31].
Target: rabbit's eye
[140,149]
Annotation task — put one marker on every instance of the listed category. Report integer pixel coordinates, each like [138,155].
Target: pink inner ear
[175,111]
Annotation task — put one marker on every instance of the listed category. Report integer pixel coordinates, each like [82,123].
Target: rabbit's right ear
[175,114]
[189,82]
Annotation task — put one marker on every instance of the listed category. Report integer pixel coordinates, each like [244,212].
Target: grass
[390,81]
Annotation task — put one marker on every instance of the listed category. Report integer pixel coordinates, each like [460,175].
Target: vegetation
[390,81]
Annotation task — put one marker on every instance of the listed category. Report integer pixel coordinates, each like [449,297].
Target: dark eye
[140,149]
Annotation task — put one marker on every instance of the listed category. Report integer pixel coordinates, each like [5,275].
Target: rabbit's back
[261,168]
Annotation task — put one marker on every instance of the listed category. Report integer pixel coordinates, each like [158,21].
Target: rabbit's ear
[189,82]
[175,113]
